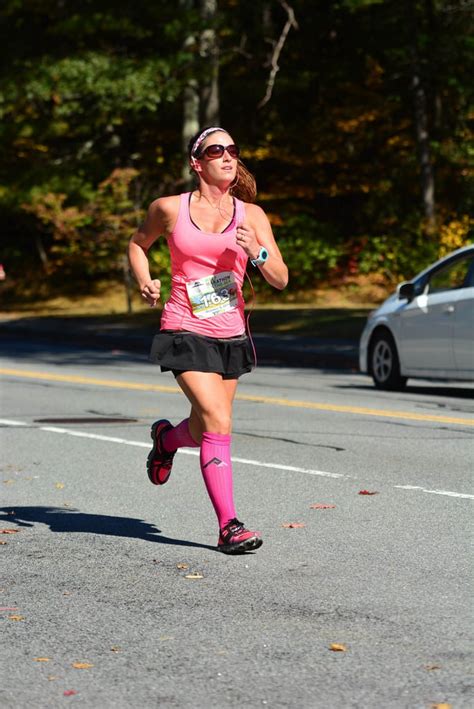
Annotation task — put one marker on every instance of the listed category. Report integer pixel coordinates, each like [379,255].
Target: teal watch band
[261,258]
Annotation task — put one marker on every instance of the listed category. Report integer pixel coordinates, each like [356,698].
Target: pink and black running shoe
[235,539]
[159,462]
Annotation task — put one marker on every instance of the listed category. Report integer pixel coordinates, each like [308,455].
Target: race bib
[212,295]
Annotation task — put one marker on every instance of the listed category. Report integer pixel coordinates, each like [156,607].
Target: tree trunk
[42,253]
[209,51]
[191,103]
[190,126]
[128,283]
[420,106]
[434,102]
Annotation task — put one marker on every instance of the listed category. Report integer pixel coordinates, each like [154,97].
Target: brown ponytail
[245,187]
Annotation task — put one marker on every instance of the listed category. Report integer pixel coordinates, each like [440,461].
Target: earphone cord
[250,311]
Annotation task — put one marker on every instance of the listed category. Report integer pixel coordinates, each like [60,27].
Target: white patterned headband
[202,136]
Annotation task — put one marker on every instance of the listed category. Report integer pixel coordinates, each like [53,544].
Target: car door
[464,328]
[428,323]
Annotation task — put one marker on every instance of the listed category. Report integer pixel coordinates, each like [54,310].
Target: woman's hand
[247,239]
[151,292]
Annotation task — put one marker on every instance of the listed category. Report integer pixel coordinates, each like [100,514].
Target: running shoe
[159,462]
[235,539]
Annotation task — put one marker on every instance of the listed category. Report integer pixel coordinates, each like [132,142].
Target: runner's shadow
[71,521]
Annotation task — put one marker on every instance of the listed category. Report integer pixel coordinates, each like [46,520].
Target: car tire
[384,362]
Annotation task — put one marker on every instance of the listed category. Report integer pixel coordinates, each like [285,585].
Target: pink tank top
[207,272]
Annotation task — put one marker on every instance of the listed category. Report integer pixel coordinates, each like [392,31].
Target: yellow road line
[359,410]
[73,379]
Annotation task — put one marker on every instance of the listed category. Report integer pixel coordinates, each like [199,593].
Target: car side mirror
[406,291]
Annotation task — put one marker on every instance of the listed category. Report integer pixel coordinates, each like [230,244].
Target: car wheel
[384,363]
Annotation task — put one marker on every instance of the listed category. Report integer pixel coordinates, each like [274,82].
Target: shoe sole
[241,547]
[152,454]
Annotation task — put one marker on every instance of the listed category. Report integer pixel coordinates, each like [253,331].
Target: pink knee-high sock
[216,467]
[179,437]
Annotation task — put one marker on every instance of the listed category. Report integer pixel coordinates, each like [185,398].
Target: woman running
[211,232]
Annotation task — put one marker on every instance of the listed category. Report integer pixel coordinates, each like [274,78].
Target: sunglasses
[217,151]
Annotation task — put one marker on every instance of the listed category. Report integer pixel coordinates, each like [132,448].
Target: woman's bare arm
[160,219]
[256,232]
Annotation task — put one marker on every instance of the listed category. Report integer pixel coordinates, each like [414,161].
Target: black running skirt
[181,351]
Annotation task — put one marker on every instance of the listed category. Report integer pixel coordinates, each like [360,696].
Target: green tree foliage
[92,87]
[86,88]
[338,140]
[95,233]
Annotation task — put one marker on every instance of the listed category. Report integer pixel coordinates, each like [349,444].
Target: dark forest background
[355,116]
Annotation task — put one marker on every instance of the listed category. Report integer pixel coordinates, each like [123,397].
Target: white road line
[277,466]
[435,492]
[245,461]
[7,422]
[95,436]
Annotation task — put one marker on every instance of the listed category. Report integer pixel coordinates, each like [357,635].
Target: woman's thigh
[211,398]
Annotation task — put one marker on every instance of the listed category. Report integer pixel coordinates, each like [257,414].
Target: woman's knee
[210,401]
[217,420]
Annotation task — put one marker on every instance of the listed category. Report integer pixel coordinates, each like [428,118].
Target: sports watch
[261,258]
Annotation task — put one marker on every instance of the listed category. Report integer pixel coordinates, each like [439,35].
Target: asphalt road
[112,591]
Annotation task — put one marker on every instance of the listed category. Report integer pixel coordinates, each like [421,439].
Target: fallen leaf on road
[182,566]
[166,637]
[194,575]
[41,659]
[9,531]
[3,543]
[81,665]
[69,692]
[116,648]
[8,482]
[430,668]
[292,525]
[16,617]
[321,506]
[59,486]
[367,492]
[337,647]
[443,705]
[51,678]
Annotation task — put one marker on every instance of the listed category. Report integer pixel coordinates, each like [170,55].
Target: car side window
[470,278]
[450,277]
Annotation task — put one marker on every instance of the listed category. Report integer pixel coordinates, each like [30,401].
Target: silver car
[426,328]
